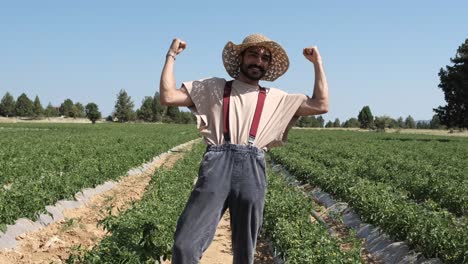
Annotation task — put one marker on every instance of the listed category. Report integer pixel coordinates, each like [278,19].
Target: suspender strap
[257,114]
[226,99]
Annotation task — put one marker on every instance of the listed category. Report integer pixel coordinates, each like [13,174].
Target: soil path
[53,243]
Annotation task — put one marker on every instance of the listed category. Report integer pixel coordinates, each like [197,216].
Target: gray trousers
[230,176]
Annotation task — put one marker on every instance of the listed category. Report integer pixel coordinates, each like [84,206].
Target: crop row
[296,239]
[427,169]
[43,163]
[437,233]
[144,233]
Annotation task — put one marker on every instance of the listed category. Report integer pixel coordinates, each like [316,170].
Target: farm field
[144,233]
[414,187]
[43,163]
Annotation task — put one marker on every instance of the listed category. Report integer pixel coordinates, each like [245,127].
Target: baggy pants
[230,176]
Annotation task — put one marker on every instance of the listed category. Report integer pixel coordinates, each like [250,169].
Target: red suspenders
[257,114]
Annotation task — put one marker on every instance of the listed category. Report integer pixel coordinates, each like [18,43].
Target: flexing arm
[169,94]
[318,103]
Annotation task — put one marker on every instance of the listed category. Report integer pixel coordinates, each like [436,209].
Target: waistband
[235,148]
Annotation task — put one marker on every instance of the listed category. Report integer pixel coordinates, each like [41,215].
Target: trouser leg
[246,204]
[197,224]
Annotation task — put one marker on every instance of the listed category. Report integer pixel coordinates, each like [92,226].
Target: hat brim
[279,59]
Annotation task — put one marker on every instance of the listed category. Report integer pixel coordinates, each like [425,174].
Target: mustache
[256,66]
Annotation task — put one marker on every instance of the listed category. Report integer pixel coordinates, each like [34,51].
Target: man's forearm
[167,84]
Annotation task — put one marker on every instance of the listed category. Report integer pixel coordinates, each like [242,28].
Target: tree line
[151,109]
[453,82]
[366,120]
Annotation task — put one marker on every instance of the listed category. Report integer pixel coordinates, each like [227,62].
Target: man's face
[255,62]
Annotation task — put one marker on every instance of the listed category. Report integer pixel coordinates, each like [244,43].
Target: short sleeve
[284,117]
[206,95]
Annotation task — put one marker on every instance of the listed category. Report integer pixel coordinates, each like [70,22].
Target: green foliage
[365,118]
[24,106]
[51,111]
[172,112]
[384,122]
[158,109]
[287,224]
[336,123]
[43,163]
[400,123]
[144,233]
[413,187]
[66,108]
[145,112]
[409,122]
[352,122]
[38,110]
[7,105]
[123,110]
[423,125]
[454,84]
[310,121]
[435,122]
[92,112]
[78,110]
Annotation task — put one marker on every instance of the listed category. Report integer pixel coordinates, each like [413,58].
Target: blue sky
[383,54]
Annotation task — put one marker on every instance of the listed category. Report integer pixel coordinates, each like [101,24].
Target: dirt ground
[53,243]
[45,120]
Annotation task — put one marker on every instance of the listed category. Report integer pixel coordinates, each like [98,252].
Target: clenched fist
[177,46]
[312,54]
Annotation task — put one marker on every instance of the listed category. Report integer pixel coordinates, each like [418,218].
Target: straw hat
[279,59]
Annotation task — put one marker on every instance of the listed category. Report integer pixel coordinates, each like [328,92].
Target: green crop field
[43,163]
[414,187]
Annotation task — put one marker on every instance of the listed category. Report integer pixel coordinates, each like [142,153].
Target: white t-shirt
[276,119]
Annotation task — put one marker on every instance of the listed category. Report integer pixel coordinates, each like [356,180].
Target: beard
[252,71]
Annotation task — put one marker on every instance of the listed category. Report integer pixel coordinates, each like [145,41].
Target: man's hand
[312,54]
[177,47]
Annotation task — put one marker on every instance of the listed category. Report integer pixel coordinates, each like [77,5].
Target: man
[239,120]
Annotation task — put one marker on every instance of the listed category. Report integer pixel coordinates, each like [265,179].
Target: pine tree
[123,110]
[157,108]
[172,114]
[409,122]
[400,122]
[435,122]
[145,112]
[24,106]
[7,105]
[365,117]
[37,107]
[337,123]
[454,84]
[321,121]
